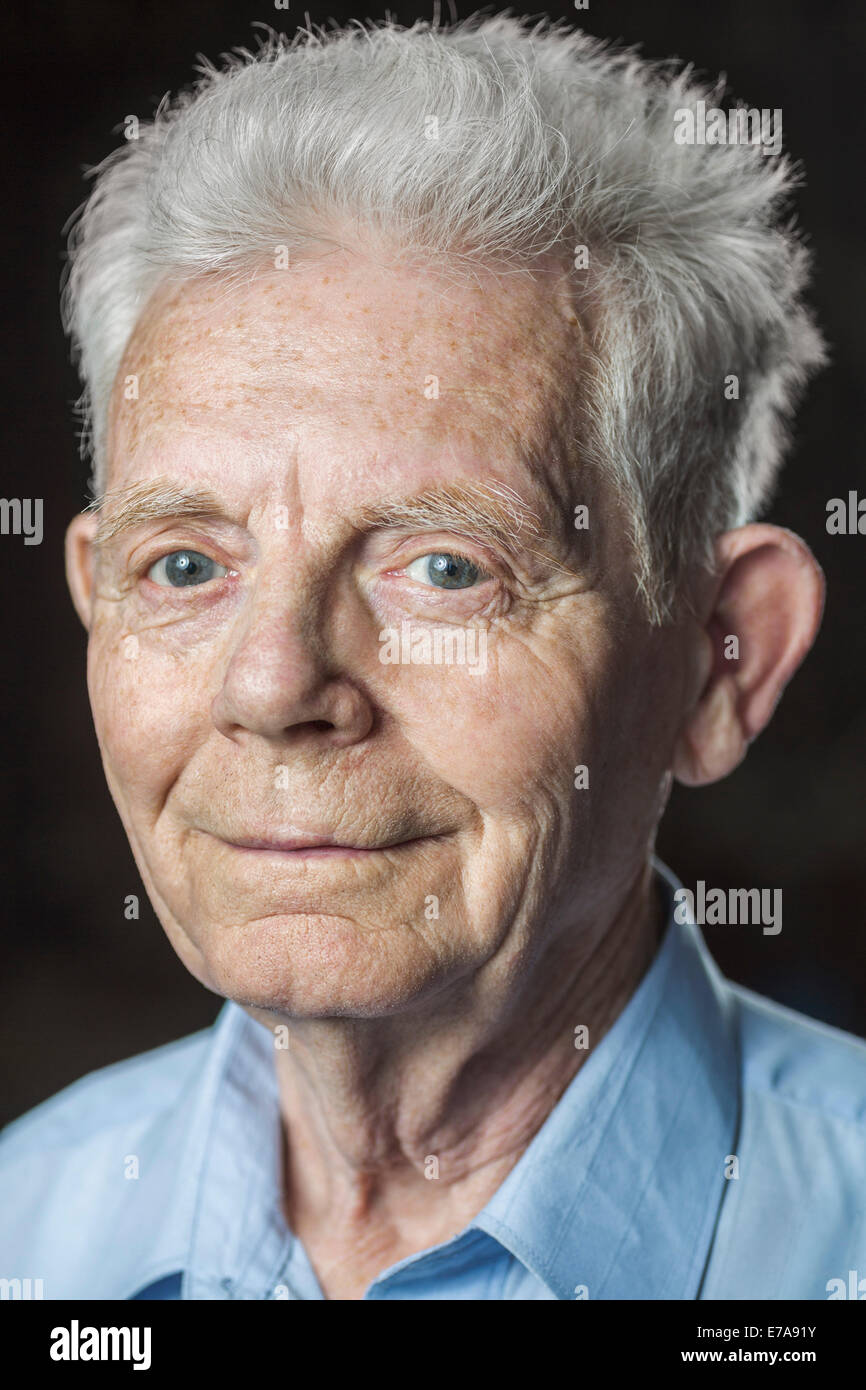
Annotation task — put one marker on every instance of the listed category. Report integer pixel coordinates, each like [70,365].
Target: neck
[400,1129]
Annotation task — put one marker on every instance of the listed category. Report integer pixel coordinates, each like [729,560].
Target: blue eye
[184,567]
[445,571]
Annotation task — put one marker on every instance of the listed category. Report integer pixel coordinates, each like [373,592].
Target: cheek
[555,737]
[146,711]
[505,735]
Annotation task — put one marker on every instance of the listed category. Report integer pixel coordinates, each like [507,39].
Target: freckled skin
[224,380]
[412,1033]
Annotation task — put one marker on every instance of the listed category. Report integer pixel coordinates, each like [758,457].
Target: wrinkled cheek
[138,721]
[506,741]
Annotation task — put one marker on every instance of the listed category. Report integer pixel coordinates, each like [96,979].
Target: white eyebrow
[491,512]
[122,509]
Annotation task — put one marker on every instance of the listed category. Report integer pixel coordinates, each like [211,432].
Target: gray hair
[544,140]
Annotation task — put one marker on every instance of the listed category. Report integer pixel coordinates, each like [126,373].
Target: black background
[82,985]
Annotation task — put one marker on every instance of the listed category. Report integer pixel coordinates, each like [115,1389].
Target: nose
[282,678]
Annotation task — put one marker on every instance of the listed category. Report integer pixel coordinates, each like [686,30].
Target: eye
[443,570]
[183,567]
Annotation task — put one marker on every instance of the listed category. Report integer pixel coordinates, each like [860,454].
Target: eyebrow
[491,512]
[487,511]
[122,509]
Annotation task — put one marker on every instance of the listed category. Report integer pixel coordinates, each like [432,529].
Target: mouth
[317,847]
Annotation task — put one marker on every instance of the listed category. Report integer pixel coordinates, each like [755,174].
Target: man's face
[354,427]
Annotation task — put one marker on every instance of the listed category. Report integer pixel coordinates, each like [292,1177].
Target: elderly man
[434,378]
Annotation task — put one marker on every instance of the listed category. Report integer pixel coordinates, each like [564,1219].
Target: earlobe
[712,742]
[79,564]
[763,619]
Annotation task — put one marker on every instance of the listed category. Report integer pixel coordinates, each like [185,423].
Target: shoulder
[803,1094]
[793,1219]
[90,1175]
[104,1101]
[800,1064]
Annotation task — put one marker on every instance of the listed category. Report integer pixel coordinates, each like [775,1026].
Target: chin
[318,966]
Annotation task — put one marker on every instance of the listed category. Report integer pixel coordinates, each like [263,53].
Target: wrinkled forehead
[346,343]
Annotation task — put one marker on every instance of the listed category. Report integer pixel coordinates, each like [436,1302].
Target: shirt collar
[214,1164]
[616,1196]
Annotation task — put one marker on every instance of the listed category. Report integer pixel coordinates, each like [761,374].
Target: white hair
[490,141]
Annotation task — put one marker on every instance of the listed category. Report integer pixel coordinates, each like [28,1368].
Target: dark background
[82,985]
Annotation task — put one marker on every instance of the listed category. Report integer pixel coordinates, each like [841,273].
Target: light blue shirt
[712,1146]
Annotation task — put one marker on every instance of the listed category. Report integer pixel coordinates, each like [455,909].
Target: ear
[80,563]
[761,620]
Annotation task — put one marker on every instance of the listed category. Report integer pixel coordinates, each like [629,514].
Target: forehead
[344,344]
